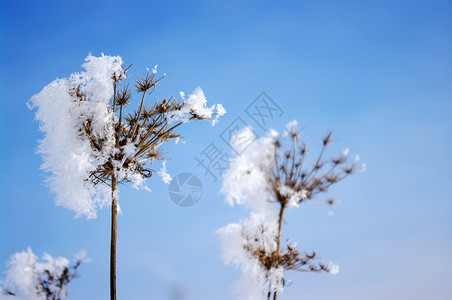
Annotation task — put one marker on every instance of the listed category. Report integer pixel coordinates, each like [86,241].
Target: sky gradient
[378,73]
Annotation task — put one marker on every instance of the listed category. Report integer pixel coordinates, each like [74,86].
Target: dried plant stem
[135,126]
[280,221]
[269,295]
[114,231]
[114,212]
[278,237]
[119,126]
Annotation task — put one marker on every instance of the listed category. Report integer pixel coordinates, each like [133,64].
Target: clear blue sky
[379,73]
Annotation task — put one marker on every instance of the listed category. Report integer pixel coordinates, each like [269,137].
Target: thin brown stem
[269,295]
[278,238]
[114,230]
[118,133]
[280,221]
[315,169]
[138,117]
[114,215]
[275,156]
[158,135]
[293,159]
[114,98]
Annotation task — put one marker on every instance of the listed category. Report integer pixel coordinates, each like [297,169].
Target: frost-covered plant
[30,279]
[91,143]
[269,177]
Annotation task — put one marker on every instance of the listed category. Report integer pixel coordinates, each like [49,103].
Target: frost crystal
[166,177]
[334,268]
[196,105]
[246,182]
[30,279]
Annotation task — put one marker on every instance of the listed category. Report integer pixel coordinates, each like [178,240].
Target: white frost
[246,182]
[196,104]
[292,126]
[333,268]
[346,151]
[25,273]
[294,197]
[166,177]
[363,168]
[67,154]
[255,280]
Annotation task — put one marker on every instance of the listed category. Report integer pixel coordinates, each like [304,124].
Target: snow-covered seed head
[48,278]
[88,140]
[147,83]
[281,177]
[291,170]
[123,96]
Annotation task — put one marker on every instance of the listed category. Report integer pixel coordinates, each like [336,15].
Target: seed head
[124,96]
[327,138]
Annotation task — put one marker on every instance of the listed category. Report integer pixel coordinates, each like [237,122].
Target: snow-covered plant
[47,279]
[269,177]
[92,143]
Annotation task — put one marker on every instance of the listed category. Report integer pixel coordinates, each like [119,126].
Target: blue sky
[378,73]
